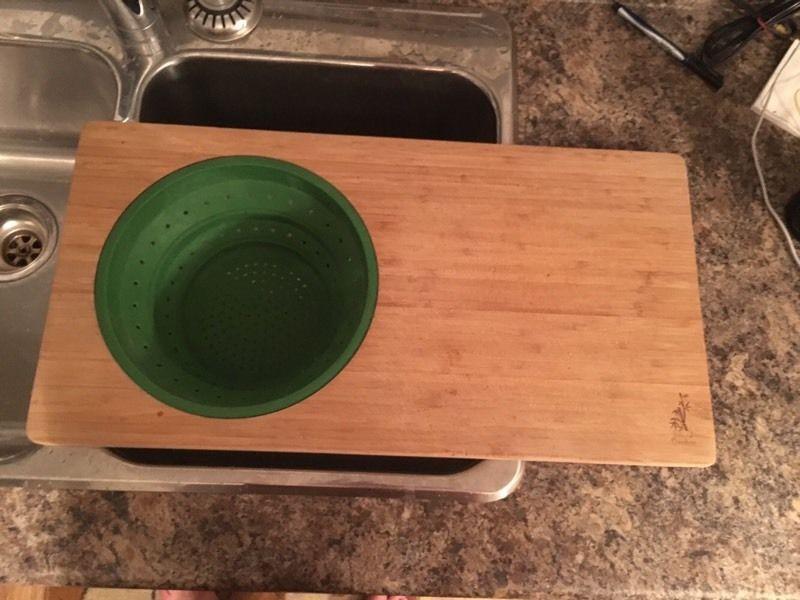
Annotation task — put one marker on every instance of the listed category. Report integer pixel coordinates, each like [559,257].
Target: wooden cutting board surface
[535,303]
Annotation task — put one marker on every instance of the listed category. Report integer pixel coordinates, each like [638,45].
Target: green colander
[236,286]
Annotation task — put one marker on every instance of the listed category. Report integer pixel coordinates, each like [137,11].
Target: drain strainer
[28,233]
[223,20]
[22,248]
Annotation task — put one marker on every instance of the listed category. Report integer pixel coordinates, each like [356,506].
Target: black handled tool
[697,66]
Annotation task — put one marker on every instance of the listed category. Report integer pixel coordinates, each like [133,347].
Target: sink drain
[28,233]
[22,248]
[223,20]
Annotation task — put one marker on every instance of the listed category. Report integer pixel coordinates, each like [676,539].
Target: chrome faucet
[139,25]
[144,41]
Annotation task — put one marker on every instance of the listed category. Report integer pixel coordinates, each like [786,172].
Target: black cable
[727,40]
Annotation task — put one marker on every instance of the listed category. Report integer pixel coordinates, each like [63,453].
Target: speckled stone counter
[585,79]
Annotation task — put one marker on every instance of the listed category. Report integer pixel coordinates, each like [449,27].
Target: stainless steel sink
[49,90]
[306,67]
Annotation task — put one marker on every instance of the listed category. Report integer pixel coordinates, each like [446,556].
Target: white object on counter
[783,108]
[785,64]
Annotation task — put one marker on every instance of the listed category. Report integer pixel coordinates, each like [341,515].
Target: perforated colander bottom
[251,315]
[236,286]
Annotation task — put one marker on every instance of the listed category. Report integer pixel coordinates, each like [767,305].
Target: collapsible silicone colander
[236,286]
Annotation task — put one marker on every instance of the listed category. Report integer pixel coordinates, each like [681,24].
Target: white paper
[784,105]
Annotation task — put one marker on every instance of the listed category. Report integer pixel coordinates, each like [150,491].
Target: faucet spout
[139,25]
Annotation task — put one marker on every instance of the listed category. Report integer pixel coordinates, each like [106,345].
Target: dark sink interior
[320,98]
[295,461]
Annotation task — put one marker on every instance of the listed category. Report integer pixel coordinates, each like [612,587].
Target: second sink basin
[260,93]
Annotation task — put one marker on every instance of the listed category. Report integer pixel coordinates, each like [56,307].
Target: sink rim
[179,57]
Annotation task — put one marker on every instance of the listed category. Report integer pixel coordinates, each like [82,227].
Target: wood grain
[535,303]
[40,592]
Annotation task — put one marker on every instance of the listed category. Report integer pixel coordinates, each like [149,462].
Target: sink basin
[319,98]
[49,90]
[295,461]
[311,67]
[263,93]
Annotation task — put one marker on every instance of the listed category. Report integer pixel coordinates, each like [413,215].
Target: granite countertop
[585,79]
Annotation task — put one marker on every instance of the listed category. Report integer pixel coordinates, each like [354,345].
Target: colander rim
[146,383]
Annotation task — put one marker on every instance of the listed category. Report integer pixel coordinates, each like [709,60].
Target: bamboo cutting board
[534,303]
